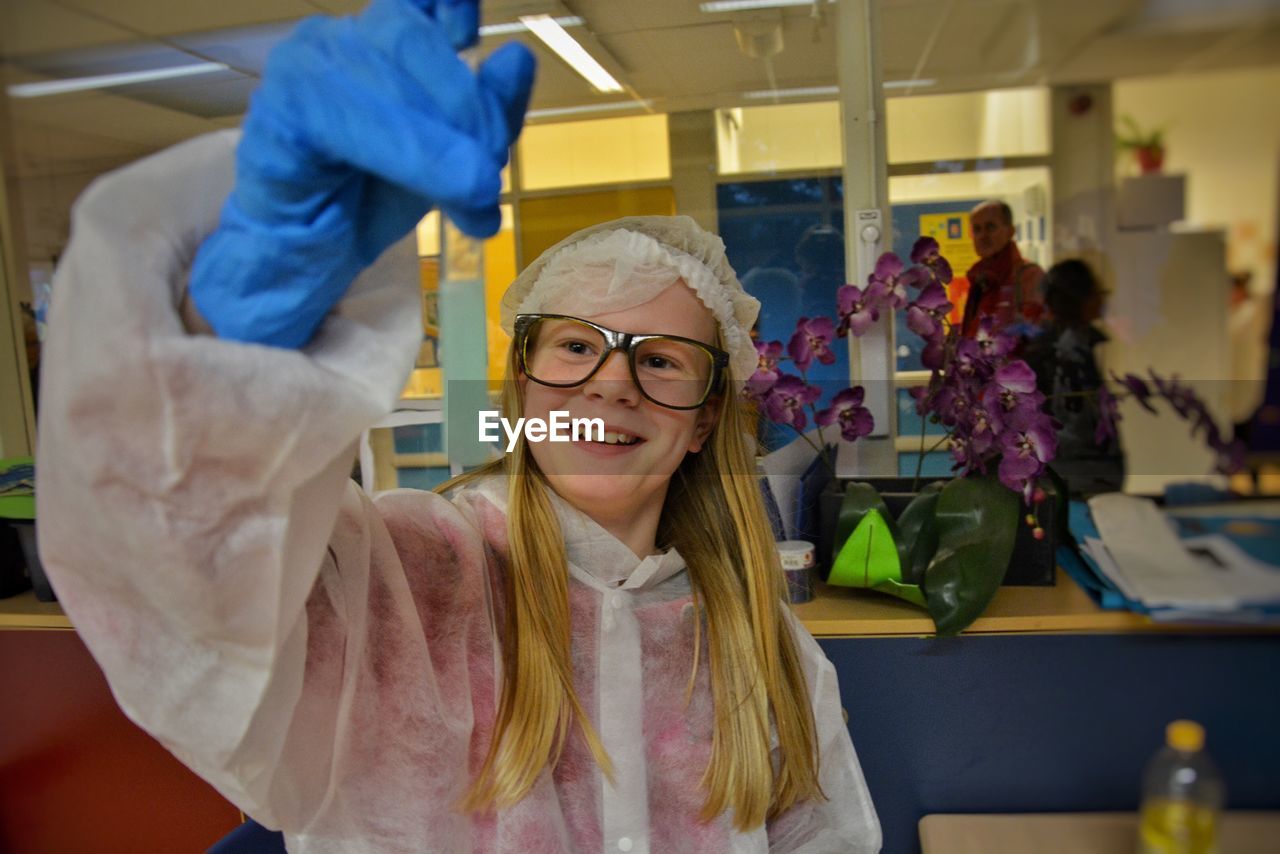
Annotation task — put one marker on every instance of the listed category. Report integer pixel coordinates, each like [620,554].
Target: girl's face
[620,481]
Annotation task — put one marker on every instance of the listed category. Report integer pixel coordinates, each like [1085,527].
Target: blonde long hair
[715,517]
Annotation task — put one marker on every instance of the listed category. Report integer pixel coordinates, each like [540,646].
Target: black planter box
[1032,564]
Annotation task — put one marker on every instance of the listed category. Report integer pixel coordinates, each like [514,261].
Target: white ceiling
[665,51]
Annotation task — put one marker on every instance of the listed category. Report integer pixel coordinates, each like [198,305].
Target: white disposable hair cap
[627,262]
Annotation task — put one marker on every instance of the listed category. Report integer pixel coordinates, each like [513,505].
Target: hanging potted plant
[1147,146]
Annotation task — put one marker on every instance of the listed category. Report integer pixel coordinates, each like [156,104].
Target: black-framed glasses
[561,351]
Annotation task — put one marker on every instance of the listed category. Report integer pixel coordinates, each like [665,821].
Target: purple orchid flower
[1138,389]
[1108,417]
[766,373]
[920,394]
[971,361]
[934,354]
[811,341]
[1016,377]
[787,399]
[847,410]
[892,280]
[1181,398]
[992,343]
[984,430]
[952,403]
[962,454]
[924,316]
[927,252]
[1027,449]
[924,250]
[858,308]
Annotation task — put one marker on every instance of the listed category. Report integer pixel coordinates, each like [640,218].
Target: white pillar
[692,137]
[866,217]
[1082,169]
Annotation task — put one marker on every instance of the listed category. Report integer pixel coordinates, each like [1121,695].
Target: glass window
[427,379]
[779,138]
[745,195]
[783,238]
[546,220]
[936,464]
[620,150]
[968,125]
[938,205]
[909,422]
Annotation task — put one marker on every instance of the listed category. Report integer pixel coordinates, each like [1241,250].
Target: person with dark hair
[1002,284]
[1067,373]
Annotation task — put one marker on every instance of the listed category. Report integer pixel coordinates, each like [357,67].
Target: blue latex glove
[360,127]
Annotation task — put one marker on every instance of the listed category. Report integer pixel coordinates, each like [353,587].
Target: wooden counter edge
[834,613]
[1063,608]
[25,611]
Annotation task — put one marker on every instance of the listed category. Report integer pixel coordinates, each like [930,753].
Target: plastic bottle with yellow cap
[1182,796]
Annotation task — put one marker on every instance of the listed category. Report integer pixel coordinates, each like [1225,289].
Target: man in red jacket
[1001,285]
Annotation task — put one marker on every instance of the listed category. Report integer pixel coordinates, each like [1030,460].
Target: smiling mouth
[614,437]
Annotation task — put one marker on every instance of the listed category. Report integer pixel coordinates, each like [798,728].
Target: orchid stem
[915,484]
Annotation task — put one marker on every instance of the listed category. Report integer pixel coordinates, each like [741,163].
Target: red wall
[76,774]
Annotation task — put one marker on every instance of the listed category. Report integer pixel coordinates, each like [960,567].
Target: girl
[579,647]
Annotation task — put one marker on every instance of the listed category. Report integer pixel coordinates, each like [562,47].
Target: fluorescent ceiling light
[519,27]
[909,84]
[587,108]
[806,91]
[104,81]
[554,36]
[748,5]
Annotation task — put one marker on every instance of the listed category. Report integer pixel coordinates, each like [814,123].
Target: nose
[613,382]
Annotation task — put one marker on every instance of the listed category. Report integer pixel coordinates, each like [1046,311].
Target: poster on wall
[951,230]
[429,351]
[427,380]
[948,223]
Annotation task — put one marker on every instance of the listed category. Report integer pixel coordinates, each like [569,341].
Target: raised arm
[189,483]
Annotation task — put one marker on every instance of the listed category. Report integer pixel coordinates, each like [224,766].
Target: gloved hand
[361,126]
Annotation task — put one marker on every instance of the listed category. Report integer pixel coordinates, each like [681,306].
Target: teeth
[618,439]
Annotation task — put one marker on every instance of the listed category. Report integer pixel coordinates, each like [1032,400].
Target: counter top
[844,612]
[1064,607]
[25,611]
[1067,833]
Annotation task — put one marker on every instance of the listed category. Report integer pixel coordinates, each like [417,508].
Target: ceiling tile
[243,48]
[210,96]
[107,115]
[155,18]
[36,26]
[105,59]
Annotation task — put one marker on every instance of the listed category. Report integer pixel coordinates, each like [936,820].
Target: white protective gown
[327,661]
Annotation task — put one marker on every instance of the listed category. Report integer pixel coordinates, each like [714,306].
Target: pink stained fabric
[329,661]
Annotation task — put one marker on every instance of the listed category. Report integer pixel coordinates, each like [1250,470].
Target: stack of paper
[1159,563]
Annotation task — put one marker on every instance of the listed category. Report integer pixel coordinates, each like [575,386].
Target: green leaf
[918,533]
[859,498]
[977,520]
[869,559]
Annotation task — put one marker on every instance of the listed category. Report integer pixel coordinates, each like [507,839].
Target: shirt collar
[595,551]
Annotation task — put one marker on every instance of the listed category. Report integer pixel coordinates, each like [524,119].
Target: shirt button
[624,844]
[616,602]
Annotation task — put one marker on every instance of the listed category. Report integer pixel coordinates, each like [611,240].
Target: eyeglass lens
[565,352]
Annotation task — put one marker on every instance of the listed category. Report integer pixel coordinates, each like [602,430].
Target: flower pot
[1150,159]
[1032,563]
